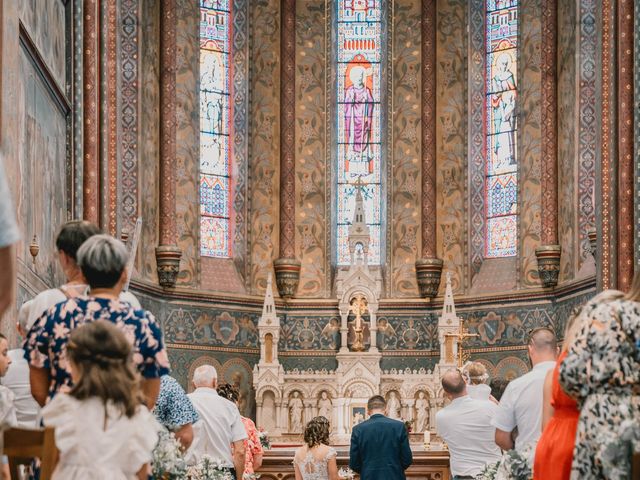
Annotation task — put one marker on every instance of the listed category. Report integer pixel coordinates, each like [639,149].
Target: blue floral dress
[46,342]
[602,371]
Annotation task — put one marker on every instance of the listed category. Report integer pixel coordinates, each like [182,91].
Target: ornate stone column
[428,267]
[287,267]
[110,208]
[625,247]
[167,253]
[91,112]
[548,254]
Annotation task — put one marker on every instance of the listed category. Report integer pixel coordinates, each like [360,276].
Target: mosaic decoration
[501,182]
[359,130]
[215,128]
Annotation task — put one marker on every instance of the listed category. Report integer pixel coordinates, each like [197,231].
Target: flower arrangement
[408,424]
[264,439]
[168,461]
[209,468]
[514,465]
[346,473]
[616,454]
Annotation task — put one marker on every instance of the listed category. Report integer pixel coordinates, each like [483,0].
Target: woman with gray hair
[103,261]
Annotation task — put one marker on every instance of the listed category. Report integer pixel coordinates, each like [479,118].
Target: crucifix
[461,336]
[359,308]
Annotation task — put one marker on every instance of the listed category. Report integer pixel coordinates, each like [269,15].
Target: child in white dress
[102,429]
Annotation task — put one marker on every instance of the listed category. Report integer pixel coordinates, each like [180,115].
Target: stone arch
[329,388]
[198,362]
[363,290]
[385,389]
[268,388]
[413,391]
[289,389]
[369,389]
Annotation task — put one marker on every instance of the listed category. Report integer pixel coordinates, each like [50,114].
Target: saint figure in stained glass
[358,117]
[503,103]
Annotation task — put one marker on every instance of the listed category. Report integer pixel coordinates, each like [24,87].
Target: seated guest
[520,408]
[465,424]
[102,428]
[316,460]
[69,239]
[175,411]
[7,409]
[17,378]
[498,386]
[252,446]
[475,376]
[602,372]
[219,427]
[380,445]
[103,262]
[554,452]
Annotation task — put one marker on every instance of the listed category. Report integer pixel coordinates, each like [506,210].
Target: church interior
[332,199]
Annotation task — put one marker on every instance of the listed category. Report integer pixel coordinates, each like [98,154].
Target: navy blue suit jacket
[380,449]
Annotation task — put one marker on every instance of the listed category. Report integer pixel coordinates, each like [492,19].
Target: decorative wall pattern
[405,203]
[311,211]
[265,130]
[567,96]
[636,50]
[187,140]
[529,142]
[451,138]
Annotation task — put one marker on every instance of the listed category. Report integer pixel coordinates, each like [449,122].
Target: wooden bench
[21,445]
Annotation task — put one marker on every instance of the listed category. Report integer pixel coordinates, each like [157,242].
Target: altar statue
[295,413]
[393,406]
[422,413]
[325,407]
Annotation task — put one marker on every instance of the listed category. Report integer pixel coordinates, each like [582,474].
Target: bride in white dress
[316,460]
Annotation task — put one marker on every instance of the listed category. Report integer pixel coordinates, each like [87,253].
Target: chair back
[635,467]
[21,445]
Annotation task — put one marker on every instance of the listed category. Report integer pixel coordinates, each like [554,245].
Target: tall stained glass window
[215,129]
[359,52]
[501,183]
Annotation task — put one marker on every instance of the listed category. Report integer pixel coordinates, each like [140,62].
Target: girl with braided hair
[103,430]
[316,460]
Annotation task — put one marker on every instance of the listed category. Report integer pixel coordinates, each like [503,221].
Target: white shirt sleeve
[9,233]
[505,416]
[238,432]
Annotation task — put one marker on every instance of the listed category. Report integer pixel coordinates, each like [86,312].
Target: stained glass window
[359,132]
[215,128]
[501,182]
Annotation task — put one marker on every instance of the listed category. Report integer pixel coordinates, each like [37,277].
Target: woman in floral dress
[602,371]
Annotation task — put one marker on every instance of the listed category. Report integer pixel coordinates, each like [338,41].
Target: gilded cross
[461,336]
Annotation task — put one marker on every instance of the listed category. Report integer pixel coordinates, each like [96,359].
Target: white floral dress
[313,464]
[602,371]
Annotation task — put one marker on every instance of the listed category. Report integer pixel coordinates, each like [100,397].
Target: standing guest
[103,262]
[17,379]
[498,386]
[7,409]
[252,445]
[9,235]
[602,372]
[69,239]
[465,424]
[379,446]
[220,427]
[475,376]
[102,428]
[520,408]
[316,460]
[175,411]
[554,452]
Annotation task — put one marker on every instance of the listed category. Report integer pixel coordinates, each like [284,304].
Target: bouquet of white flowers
[209,469]
[514,465]
[616,454]
[264,439]
[346,473]
[168,461]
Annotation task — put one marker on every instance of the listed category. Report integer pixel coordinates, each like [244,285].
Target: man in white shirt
[17,378]
[465,424]
[519,417]
[9,235]
[219,426]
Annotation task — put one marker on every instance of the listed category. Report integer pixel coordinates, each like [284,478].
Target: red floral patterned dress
[252,444]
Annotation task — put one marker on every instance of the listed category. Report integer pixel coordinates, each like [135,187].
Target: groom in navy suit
[380,446]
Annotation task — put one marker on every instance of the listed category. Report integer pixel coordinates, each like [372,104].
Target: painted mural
[405,195]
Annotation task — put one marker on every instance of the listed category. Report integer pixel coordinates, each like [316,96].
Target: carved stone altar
[286,401]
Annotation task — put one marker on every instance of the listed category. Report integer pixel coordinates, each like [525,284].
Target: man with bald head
[465,424]
[519,418]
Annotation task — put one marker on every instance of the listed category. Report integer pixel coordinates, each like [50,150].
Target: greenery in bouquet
[346,473]
[514,465]
[616,453]
[408,424]
[168,460]
[209,468]
[489,471]
[264,439]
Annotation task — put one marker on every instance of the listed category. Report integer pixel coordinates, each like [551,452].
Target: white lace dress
[91,447]
[313,463]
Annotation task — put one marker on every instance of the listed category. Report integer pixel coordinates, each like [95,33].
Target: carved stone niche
[421,413]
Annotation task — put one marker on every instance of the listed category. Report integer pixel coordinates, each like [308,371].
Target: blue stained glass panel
[359,129]
[215,128]
[501,83]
